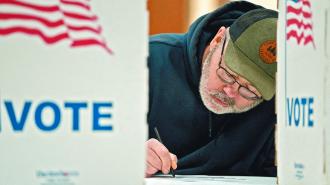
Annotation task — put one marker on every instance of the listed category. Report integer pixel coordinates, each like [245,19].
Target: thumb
[174,161]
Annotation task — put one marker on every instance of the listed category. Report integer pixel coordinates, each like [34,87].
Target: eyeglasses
[228,78]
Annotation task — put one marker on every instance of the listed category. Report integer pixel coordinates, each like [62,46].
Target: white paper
[209,180]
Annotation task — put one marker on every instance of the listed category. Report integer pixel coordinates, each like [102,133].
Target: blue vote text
[18,115]
[300,111]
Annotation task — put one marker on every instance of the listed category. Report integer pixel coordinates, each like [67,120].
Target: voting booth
[303,96]
[73,92]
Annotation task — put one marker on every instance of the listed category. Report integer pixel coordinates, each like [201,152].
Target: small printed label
[299,169]
[57,177]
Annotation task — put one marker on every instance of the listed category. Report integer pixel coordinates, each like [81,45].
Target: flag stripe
[299,31]
[75,3]
[77,23]
[86,42]
[299,11]
[85,28]
[79,16]
[300,24]
[12,9]
[31,31]
[306,3]
[34,25]
[299,37]
[309,39]
[299,18]
[30,5]
[46,22]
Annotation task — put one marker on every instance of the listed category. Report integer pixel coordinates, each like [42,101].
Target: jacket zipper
[210,124]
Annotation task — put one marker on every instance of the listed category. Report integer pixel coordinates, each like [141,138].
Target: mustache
[223,97]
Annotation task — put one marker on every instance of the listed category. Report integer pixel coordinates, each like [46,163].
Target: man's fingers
[153,159]
[150,170]
[174,161]
[162,152]
[165,157]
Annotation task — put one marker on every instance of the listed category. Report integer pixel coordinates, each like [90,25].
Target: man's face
[218,96]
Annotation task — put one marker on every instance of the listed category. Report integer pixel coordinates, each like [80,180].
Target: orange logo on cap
[267,52]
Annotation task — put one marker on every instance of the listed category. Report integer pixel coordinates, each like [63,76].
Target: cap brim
[239,63]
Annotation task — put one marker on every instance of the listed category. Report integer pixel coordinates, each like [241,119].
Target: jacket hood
[202,31]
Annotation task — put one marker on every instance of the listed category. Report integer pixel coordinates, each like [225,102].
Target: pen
[160,140]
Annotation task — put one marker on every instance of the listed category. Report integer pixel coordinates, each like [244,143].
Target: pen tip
[173,173]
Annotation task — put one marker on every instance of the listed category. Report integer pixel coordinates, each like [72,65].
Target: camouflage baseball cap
[251,50]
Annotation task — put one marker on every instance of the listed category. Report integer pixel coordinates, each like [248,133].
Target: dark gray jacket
[205,143]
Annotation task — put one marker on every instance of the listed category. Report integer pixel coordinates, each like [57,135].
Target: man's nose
[231,90]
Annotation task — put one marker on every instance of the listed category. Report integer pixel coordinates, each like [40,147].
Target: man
[211,95]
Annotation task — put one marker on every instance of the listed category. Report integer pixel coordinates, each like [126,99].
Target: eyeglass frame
[234,79]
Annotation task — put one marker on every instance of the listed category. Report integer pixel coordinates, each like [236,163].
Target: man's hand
[159,158]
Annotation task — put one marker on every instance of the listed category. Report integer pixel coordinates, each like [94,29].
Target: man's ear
[217,38]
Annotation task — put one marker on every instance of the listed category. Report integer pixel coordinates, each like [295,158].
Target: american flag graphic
[53,21]
[299,22]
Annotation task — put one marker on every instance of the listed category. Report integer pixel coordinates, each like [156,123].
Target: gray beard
[206,94]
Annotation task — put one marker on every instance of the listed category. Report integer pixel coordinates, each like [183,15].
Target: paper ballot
[209,180]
